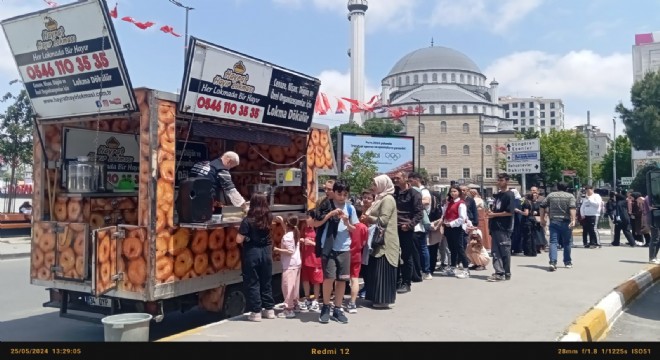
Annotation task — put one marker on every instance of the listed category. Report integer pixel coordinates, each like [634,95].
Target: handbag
[379,235]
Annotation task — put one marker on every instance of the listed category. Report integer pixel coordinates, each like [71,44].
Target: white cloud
[496,15]
[392,14]
[336,84]
[8,9]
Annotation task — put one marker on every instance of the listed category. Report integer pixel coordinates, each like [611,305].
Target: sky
[578,51]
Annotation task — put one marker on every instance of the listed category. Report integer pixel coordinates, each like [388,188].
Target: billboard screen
[392,153]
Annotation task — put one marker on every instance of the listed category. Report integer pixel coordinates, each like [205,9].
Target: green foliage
[362,171]
[16,131]
[623,162]
[562,150]
[426,179]
[643,120]
[639,182]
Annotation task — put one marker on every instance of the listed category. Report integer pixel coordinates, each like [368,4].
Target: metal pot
[265,189]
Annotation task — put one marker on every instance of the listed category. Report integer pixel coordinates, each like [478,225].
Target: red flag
[143,25]
[341,108]
[318,107]
[51,3]
[113,12]
[373,98]
[326,102]
[169,30]
[129,19]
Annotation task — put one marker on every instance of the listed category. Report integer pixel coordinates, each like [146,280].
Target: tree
[16,136]
[623,162]
[642,122]
[639,182]
[562,150]
[361,173]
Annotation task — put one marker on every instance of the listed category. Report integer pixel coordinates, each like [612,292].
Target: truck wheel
[234,304]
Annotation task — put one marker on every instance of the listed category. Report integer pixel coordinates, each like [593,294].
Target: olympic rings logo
[392,156]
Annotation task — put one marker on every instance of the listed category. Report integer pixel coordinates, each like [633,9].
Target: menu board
[69,60]
[222,83]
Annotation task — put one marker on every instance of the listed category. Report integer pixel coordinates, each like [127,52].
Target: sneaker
[569,266]
[362,293]
[339,316]
[655,261]
[472,267]
[298,308]
[449,272]
[302,306]
[403,289]
[324,318]
[268,314]
[463,274]
[313,306]
[553,267]
[287,314]
[382,306]
[254,316]
[507,276]
[352,308]
[427,276]
[495,278]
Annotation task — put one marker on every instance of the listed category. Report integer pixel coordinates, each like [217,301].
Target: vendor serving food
[218,172]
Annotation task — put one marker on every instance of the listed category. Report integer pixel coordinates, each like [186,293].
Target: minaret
[356,13]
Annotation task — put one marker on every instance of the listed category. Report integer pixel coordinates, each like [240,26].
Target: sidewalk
[536,305]
[13,247]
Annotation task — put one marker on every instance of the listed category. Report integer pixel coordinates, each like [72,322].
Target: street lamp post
[614,156]
[419,134]
[188,8]
[481,133]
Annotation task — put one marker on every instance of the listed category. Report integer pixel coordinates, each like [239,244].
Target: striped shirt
[558,205]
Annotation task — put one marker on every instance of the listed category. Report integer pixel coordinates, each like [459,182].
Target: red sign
[569,172]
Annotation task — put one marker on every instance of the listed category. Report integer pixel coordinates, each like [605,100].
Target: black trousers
[406,268]
[625,227]
[257,267]
[589,229]
[433,256]
[455,243]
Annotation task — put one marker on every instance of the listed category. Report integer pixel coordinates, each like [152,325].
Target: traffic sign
[569,172]
[523,156]
[523,145]
[627,180]
[523,167]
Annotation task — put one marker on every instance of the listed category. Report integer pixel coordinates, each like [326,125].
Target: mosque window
[483,109]
[464,109]
[462,77]
[432,109]
[443,109]
[470,79]
[466,150]
[407,79]
[416,79]
[443,150]
[434,77]
[453,78]
[443,129]
[454,109]
[466,128]
[489,150]
[475,109]
[398,81]
[422,128]
[444,78]
[425,78]
[422,151]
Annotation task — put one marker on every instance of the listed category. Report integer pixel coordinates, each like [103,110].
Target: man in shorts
[336,255]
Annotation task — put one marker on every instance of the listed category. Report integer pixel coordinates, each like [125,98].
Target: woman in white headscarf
[384,259]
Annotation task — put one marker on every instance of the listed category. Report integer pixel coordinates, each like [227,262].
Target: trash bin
[126,327]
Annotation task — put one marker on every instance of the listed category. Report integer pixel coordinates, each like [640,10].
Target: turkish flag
[169,30]
[129,19]
[318,107]
[341,108]
[113,12]
[143,25]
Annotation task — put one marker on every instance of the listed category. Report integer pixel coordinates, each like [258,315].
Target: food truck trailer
[109,161]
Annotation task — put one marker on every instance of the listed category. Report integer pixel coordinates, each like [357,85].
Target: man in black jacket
[409,213]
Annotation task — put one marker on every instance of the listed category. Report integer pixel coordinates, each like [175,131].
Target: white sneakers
[655,261]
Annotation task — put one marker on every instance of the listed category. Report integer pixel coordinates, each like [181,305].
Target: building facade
[534,113]
[460,128]
[645,54]
[600,141]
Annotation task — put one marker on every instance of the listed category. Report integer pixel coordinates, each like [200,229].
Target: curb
[14,256]
[594,324]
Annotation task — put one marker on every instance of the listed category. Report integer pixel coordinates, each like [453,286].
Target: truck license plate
[97,301]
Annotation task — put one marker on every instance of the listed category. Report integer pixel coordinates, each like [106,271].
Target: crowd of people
[400,233]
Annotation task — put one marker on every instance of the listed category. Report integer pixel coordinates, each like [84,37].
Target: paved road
[534,306]
[641,320]
[23,318]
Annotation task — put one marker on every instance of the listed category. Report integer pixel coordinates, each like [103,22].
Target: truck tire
[234,303]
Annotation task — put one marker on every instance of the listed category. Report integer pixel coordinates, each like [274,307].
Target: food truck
[110,160]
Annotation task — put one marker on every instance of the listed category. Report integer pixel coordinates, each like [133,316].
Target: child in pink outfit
[291,262]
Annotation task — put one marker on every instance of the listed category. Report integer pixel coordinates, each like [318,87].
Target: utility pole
[614,157]
[188,8]
[589,148]
[419,134]
[481,133]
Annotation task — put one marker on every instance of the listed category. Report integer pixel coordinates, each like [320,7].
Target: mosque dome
[434,58]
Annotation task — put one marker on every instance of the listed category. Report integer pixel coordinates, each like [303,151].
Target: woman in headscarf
[384,259]
[483,219]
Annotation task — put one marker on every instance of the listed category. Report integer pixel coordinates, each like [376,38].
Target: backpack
[435,211]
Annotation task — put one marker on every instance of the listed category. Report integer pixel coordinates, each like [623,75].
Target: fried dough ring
[80,265]
[183,263]
[241,147]
[164,267]
[74,209]
[217,239]
[132,248]
[323,139]
[233,257]
[96,220]
[105,272]
[49,259]
[37,257]
[162,244]
[104,249]
[47,242]
[167,170]
[200,242]
[230,238]
[164,192]
[201,263]
[180,241]
[218,259]
[61,210]
[67,260]
[299,141]
[315,136]
[43,273]
[137,271]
